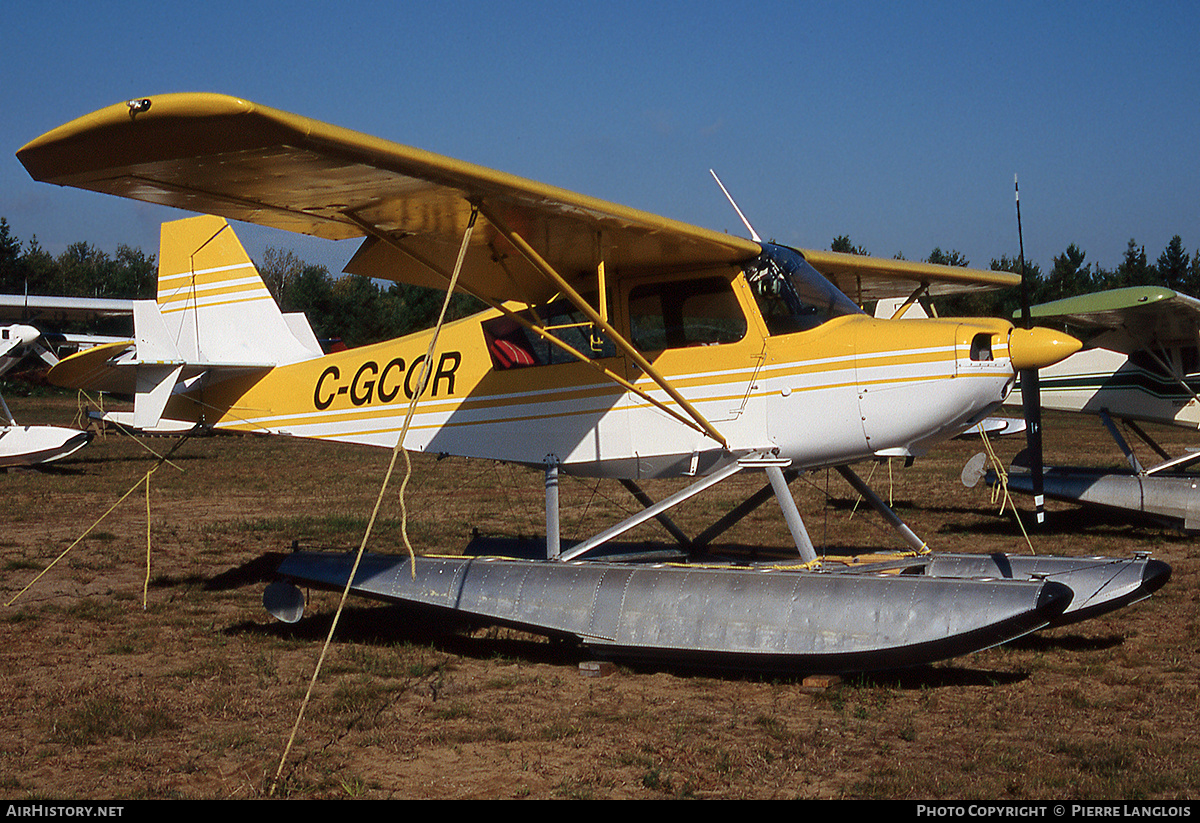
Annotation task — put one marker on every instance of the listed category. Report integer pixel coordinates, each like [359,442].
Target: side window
[512,346]
[680,313]
[1184,357]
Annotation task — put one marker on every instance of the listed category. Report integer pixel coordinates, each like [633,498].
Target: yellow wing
[865,279]
[93,369]
[221,155]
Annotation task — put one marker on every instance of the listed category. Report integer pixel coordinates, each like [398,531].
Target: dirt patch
[130,672]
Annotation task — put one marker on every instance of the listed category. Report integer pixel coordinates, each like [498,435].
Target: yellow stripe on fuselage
[846,353]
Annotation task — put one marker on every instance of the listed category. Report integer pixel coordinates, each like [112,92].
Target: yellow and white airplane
[617,344]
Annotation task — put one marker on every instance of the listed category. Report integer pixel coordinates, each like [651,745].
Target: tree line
[1070,274]
[359,311]
[353,310]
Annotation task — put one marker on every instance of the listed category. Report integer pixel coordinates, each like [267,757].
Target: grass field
[142,664]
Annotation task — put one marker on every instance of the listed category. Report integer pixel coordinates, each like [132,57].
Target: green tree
[85,271]
[1133,269]
[13,272]
[135,273]
[311,292]
[842,243]
[41,269]
[1070,275]
[1173,265]
[951,258]
[279,270]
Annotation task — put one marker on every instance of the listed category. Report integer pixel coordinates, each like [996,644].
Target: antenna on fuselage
[753,234]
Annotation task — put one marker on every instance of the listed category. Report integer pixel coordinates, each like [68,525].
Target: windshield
[791,294]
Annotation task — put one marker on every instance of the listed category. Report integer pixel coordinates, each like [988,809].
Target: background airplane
[1140,364]
[31,445]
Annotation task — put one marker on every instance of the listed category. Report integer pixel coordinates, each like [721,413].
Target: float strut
[667,523]
[553,539]
[884,510]
[791,514]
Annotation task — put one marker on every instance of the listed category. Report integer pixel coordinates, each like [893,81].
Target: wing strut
[548,271]
[532,327]
[912,298]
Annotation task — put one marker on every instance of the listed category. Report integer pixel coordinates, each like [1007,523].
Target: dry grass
[194,694]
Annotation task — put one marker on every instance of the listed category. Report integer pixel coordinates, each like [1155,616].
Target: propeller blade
[1031,396]
[1031,401]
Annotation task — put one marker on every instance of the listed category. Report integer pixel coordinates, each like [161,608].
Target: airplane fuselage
[848,389]
[1130,388]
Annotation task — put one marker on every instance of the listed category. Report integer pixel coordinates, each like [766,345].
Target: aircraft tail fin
[213,320]
[214,304]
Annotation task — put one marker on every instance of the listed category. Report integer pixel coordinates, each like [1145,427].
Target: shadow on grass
[397,624]
[1085,520]
[1039,642]
[259,570]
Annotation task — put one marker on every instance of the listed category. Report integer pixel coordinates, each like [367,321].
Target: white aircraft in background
[29,445]
[617,344]
[1140,364]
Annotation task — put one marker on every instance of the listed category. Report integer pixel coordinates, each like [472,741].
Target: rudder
[214,303]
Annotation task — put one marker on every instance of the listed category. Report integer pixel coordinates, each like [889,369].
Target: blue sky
[900,125]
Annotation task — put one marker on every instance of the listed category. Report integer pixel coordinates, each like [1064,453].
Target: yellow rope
[146,582]
[145,479]
[76,543]
[859,498]
[398,447]
[1000,490]
[81,418]
[104,428]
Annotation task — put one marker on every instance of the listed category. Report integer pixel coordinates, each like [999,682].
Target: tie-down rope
[398,447]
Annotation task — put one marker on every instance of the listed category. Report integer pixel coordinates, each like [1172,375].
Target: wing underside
[222,155]
[1129,319]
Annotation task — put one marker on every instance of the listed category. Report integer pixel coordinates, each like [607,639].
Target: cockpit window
[791,294]
[675,314]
